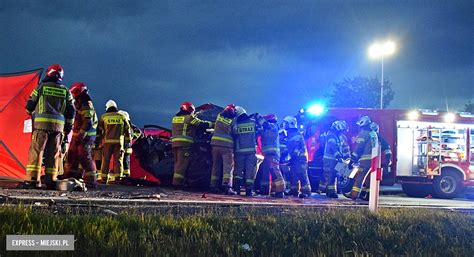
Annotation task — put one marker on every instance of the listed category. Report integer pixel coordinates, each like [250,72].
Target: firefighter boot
[249,192]
[332,194]
[229,191]
[278,195]
[293,192]
[303,195]
[364,195]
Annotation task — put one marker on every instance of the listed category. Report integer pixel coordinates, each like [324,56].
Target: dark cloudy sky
[267,56]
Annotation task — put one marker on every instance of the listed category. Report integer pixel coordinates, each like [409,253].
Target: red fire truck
[433,152]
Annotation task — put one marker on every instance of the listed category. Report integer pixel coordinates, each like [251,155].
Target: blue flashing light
[315,109]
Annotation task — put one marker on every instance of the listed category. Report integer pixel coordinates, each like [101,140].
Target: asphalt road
[120,197]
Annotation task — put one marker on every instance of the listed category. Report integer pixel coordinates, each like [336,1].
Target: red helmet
[188,107]
[229,109]
[270,118]
[77,88]
[56,71]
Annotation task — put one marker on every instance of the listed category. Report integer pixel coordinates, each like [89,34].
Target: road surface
[121,197]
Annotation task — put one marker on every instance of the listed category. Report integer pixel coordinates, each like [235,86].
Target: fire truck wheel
[448,185]
[416,190]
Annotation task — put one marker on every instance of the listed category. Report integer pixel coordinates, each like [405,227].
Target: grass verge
[299,232]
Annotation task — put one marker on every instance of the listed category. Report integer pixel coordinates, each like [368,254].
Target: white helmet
[339,125]
[290,122]
[124,113]
[110,103]
[363,121]
[239,110]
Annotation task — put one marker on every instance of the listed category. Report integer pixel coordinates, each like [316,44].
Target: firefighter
[222,143]
[83,137]
[113,131]
[334,152]
[52,109]
[386,162]
[135,133]
[271,151]
[365,140]
[244,130]
[184,126]
[284,156]
[298,162]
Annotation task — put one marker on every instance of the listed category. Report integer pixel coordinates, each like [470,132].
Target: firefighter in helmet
[184,126]
[83,137]
[52,109]
[386,162]
[333,154]
[222,143]
[244,131]
[298,162]
[365,140]
[135,133]
[113,131]
[271,151]
[284,155]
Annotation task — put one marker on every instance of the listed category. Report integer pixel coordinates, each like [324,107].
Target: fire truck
[432,151]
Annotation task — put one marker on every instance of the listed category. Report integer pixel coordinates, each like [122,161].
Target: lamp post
[380,50]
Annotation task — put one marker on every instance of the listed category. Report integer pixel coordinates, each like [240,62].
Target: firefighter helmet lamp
[449,117]
[413,115]
[315,109]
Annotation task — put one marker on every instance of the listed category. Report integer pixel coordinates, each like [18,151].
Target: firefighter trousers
[181,157]
[328,181]
[109,151]
[126,162]
[80,152]
[45,144]
[359,178]
[245,168]
[223,164]
[299,174]
[271,166]
[286,173]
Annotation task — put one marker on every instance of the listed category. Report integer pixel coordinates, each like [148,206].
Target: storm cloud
[268,56]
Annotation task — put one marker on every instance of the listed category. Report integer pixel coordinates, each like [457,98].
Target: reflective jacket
[86,121]
[296,145]
[135,133]
[332,148]
[365,140]
[113,129]
[223,132]
[284,156]
[52,107]
[244,130]
[184,128]
[385,148]
[270,139]
[345,149]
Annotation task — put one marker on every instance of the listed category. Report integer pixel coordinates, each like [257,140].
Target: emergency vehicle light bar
[466,114]
[429,112]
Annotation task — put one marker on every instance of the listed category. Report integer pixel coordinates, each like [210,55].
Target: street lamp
[379,50]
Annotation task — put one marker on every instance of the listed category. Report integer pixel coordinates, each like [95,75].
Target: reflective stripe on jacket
[223,132]
[296,145]
[52,107]
[365,141]
[245,141]
[271,140]
[332,149]
[183,129]
[86,121]
[113,128]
